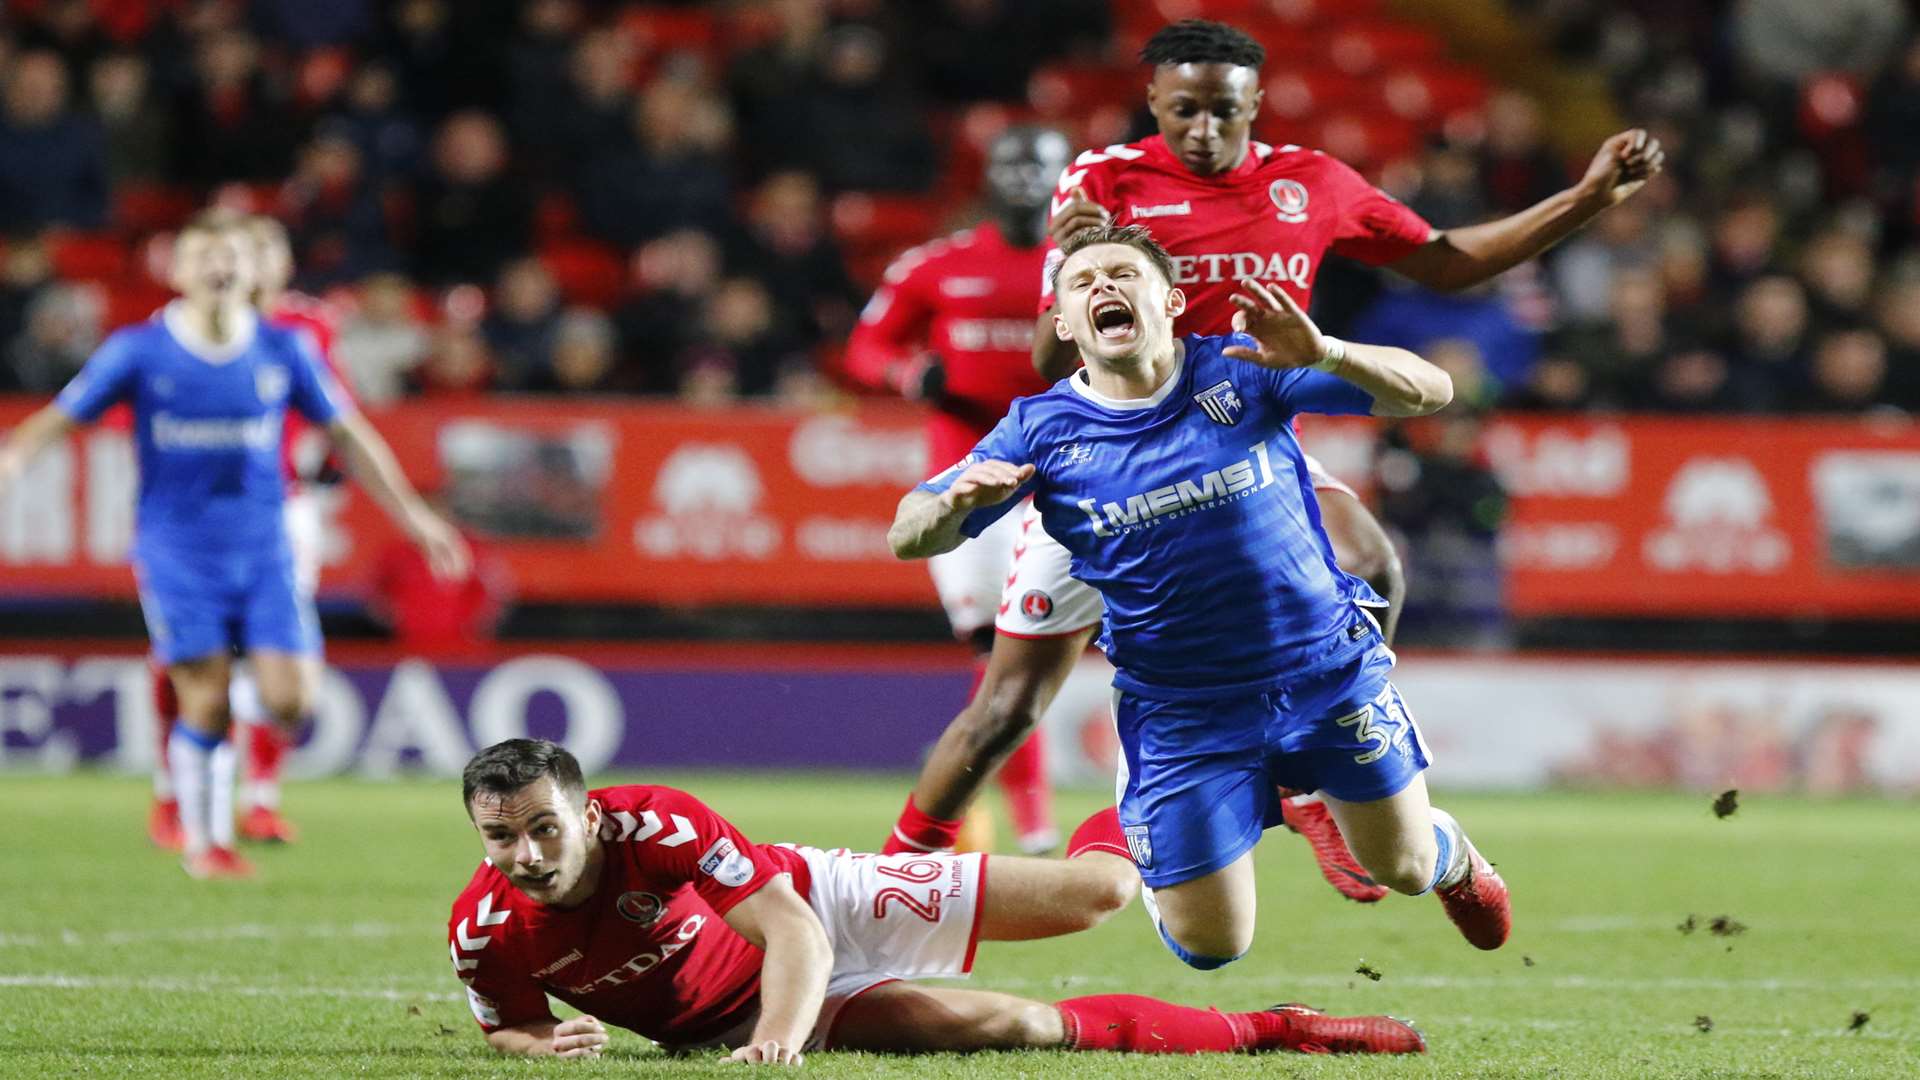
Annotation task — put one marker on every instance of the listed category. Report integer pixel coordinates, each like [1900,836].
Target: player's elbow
[1436,393]
[1427,391]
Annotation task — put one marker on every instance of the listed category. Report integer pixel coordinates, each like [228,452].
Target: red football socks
[266,752]
[1101,832]
[1023,780]
[918,831]
[1143,1025]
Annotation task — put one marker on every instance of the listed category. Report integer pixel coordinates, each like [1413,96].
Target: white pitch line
[228,932]
[1517,981]
[216,986]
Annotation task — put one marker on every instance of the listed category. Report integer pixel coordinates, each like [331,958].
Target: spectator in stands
[597,112]
[1837,267]
[863,129]
[232,124]
[787,246]
[740,334]
[1696,380]
[1439,496]
[69,30]
[1781,42]
[672,276]
[450,62]
[138,131]
[388,137]
[970,50]
[338,226]
[1898,308]
[584,358]
[1517,167]
[1621,351]
[538,85]
[472,216]
[1584,268]
[1767,347]
[669,173]
[1745,238]
[62,330]
[1684,265]
[1848,374]
[769,84]
[383,341]
[25,272]
[53,159]
[1557,383]
[520,327]
[1407,317]
[457,366]
[304,24]
[1892,116]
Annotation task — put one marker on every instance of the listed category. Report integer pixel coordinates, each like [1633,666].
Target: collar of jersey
[174,317]
[1079,384]
[1257,152]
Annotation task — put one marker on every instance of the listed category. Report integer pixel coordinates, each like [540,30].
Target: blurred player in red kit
[645,909]
[1227,207]
[952,325]
[312,474]
[430,613]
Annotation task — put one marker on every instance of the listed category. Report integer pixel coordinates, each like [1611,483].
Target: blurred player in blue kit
[210,383]
[1246,658]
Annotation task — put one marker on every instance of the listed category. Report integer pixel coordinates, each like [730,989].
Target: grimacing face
[214,265]
[1114,304]
[1205,112]
[540,839]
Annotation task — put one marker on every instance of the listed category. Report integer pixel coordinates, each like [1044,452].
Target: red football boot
[218,863]
[264,825]
[1313,821]
[1309,1031]
[163,825]
[1478,903]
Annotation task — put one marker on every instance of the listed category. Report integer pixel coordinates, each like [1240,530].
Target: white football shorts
[1043,599]
[888,918]
[306,533]
[969,578]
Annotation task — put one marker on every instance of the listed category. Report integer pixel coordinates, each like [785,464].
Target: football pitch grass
[334,962]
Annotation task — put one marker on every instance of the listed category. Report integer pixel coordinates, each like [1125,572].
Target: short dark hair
[1199,41]
[506,767]
[1133,236]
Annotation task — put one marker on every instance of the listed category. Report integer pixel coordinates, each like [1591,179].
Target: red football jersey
[969,298]
[318,319]
[1273,219]
[650,950]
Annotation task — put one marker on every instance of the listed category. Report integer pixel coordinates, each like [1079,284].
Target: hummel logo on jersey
[1212,489]
[1221,403]
[1179,209]
[1075,453]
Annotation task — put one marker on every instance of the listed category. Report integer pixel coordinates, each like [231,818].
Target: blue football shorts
[198,604]
[1198,778]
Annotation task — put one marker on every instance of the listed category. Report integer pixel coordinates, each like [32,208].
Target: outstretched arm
[793,977]
[1459,258]
[27,440]
[928,524]
[373,464]
[580,1037]
[1399,382]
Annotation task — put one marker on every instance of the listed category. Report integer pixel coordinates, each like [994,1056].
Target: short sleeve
[1304,390]
[500,992]
[1374,227]
[1005,443]
[312,389]
[696,845]
[108,378]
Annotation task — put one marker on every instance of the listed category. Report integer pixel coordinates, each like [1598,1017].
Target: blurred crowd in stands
[563,196]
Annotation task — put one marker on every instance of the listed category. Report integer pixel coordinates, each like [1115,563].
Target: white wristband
[1336,354]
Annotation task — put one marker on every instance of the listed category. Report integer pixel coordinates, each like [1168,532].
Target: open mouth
[539,881]
[1113,320]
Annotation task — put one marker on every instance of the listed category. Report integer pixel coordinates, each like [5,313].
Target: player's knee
[285,707]
[1030,1024]
[1104,890]
[1370,556]
[1408,872]
[1207,945]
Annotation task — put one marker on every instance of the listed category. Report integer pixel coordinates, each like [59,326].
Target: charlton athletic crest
[641,907]
[1221,403]
[1290,199]
[1036,605]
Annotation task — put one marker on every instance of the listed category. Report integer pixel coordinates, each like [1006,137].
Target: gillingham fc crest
[1289,199]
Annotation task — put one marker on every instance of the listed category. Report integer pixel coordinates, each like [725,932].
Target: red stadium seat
[140,208]
[887,222]
[1363,47]
[587,271]
[1301,92]
[658,30]
[1431,92]
[1063,90]
[555,218]
[78,256]
[132,300]
[1365,139]
[1299,13]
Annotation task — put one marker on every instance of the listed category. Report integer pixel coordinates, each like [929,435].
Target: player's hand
[767,1053]
[986,483]
[1622,166]
[1287,338]
[448,555]
[580,1037]
[1079,212]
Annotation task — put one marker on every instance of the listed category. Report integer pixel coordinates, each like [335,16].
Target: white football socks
[220,767]
[1453,848]
[190,757]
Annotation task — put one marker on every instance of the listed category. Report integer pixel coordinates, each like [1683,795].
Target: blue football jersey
[1193,515]
[207,427]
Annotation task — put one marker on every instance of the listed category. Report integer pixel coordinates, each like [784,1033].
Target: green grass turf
[334,962]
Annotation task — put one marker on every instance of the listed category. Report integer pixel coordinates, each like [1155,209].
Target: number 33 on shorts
[1380,724]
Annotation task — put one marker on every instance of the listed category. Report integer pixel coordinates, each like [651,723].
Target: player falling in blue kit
[210,384]
[1245,657]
